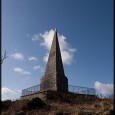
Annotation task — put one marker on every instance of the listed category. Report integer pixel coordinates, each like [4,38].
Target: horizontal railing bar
[80,86]
[68,85]
[71,88]
[32,86]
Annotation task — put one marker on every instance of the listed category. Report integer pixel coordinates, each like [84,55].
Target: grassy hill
[59,104]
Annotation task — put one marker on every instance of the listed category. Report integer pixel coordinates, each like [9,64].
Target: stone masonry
[54,77]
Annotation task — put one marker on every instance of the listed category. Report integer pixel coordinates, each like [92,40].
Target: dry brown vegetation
[60,105]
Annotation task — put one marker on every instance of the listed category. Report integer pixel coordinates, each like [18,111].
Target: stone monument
[54,77]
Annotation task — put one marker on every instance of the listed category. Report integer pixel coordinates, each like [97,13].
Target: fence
[31,90]
[81,90]
[71,88]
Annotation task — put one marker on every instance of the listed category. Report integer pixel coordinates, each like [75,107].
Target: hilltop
[59,104]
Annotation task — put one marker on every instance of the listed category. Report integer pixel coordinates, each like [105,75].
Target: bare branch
[4,57]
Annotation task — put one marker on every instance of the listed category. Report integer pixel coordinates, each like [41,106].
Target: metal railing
[31,90]
[71,88]
[81,90]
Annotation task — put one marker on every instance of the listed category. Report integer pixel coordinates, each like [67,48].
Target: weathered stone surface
[54,77]
[41,95]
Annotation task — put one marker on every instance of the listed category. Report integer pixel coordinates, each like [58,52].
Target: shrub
[35,103]
[5,105]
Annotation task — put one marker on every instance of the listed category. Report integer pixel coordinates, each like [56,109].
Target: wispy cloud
[66,51]
[45,58]
[32,59]
[17,56]
[18,91]
[21,71]
[104,89]
[7,91]
[47,38]
[35,37]
[36,67]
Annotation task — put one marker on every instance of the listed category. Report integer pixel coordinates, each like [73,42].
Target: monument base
[41,95]
[56,96]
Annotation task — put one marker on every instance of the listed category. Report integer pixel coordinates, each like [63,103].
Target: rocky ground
[52,107]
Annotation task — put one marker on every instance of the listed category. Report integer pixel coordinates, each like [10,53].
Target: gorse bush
[56,102]
[10,107]
[35,103]
[5,105]
[71,98]
[106,106]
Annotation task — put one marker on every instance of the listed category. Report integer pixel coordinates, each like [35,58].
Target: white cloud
[10,94]
[67,57]
[21,71]
[18,91]
[104,89]
[7,91]
[32,59]
[18,69]
[45,58]
[66,51]
[35,37]
[36,67]
[47,39]
[17,56]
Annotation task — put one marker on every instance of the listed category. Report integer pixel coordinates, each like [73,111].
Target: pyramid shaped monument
[54,77]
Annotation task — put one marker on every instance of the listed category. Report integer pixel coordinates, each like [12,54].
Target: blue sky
[85,30]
